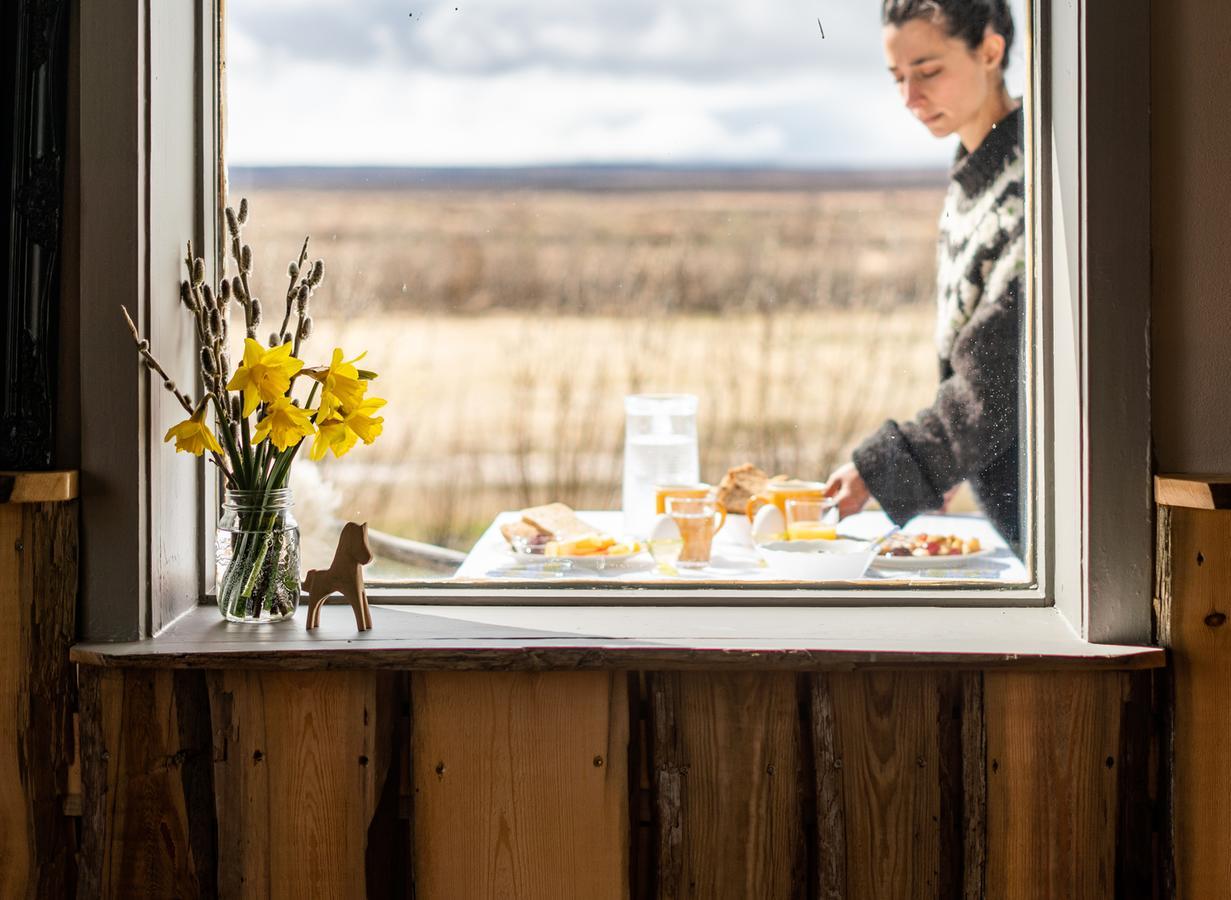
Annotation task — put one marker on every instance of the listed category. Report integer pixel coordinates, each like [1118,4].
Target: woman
[948,58]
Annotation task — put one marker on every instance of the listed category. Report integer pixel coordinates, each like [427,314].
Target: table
[735,560]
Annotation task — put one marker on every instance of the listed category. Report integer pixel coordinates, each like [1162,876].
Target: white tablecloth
[734,559]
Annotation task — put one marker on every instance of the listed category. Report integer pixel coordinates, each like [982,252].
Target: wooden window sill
[564,638]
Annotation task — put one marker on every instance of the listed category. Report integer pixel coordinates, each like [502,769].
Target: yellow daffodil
[342,385]
[361,422]
[284,424]
[332,434]
[193,435]
[264,375]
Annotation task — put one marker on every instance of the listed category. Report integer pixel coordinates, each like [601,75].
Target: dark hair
[965,19]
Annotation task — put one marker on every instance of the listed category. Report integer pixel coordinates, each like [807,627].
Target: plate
[929,562]
[595,562]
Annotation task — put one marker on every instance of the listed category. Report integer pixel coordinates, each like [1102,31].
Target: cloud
[515,82]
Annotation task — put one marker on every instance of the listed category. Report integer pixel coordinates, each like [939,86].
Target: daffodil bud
[198,272]
[318,272]
[243,210]
[292,270]
[232,222]
[245,259]
[305,328]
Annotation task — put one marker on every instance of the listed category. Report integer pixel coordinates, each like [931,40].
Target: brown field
[508,326]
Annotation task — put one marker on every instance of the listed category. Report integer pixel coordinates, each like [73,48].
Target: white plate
[595,562]
[929,562]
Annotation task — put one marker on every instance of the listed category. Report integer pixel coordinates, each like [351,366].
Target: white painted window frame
[150,176]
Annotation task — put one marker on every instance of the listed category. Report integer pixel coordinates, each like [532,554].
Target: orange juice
[811,531]
[779,492]
[663,491]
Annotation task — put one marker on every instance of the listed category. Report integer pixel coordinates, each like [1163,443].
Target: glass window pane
[529,212]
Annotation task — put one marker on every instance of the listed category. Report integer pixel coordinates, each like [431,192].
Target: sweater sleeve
[908,466]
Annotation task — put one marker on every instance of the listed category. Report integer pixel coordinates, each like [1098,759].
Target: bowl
[837,560]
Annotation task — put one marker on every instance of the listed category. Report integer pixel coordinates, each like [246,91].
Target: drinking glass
[698,519]
[810,519]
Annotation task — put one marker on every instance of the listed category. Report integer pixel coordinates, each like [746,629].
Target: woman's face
[943,82]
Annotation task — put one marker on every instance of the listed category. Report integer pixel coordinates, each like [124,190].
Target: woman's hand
[847,489]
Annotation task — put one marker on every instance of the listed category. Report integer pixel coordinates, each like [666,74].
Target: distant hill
[579,178]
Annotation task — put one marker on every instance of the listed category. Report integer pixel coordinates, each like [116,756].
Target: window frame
[1089,243]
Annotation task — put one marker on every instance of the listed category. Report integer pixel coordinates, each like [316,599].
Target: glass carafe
[660,447]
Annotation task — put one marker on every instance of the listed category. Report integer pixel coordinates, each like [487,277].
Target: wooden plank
[974,789]
[1052,745]
[1200,592]
[727,764]
[521,785]
[16,854]
[38,487]
[299,766]
[38,595]
[830,805]
[890,745]
[137,829]
[1193,491]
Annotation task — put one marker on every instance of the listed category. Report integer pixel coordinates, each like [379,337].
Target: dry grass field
[508,326]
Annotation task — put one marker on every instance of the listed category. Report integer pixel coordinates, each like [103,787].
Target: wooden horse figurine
[344,576]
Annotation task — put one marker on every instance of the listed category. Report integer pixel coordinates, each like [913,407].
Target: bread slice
[520,529]
[740,484]
[558,520]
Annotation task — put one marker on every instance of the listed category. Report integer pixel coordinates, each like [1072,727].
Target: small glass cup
[698,519]
[810,519]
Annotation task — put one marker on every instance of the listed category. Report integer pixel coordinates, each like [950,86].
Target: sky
[549,82]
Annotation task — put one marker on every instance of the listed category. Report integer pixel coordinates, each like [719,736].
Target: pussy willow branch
[215,380]
[292,289]
[143,348]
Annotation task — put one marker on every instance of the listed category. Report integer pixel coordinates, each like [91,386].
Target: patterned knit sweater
[970,432]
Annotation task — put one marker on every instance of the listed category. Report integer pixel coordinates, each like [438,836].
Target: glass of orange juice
[806,519]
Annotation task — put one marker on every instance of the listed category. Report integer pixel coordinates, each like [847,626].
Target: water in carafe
[660,447]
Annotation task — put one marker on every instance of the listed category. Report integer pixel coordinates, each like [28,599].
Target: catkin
[232,222]
[243,210]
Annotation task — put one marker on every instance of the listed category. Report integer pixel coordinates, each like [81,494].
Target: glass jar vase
[257,557]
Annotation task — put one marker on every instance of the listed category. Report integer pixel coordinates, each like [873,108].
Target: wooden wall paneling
[38,595]
[1194,603]
[728,766]
[300,761]
[144,755]
[521,784]
[1052,749]
[37,621]
[892,783]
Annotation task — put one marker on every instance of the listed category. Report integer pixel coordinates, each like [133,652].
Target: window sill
[566,638]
